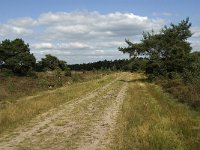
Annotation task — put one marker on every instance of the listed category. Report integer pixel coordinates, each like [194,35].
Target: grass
[14,87]
[24,109]
[151,119]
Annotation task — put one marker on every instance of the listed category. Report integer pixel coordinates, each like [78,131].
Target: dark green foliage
[68,72]
[187,88]
[192,70]
[138,64]
[15,55]
[134,64]
[102,65]
[167,51]
[63,65]
[51,63]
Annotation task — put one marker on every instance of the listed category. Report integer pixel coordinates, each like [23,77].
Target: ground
[122,111]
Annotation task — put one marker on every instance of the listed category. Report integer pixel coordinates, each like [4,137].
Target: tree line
[15,56]
[101,65]
[138,64]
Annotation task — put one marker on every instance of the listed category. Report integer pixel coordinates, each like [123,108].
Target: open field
[117,111]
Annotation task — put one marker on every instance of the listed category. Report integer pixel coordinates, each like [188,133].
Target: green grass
[151,119]
[24,109]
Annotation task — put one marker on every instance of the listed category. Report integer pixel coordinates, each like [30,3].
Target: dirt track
[85,123]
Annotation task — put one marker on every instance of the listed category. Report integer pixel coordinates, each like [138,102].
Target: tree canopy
[167,51]
[51,63]
[15,55]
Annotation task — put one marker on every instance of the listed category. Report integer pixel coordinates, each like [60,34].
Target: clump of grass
[151,119]
[76,77]
[60,123]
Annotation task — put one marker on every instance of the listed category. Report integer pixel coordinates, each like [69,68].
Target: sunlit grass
[151,119]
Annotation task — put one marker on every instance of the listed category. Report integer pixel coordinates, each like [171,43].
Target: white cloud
[7,30]
[73,46]
[79,33]
[196,32]
[195,39]
[43,46]
[195,43]
[23,22]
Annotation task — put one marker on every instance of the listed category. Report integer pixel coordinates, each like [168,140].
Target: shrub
[185,93]
[68,73]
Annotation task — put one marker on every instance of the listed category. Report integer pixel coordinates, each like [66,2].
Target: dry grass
[151,119]
[26,108]
[14,87]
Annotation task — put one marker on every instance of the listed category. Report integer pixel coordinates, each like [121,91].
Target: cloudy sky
[81,31]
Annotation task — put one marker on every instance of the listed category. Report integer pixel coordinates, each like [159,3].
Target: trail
[84,123]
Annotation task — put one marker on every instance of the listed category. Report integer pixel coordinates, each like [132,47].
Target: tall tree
[167,50]
[15,55]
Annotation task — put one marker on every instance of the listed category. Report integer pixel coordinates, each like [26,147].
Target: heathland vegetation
[125,104]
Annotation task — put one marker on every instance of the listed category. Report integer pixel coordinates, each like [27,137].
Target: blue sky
[89,30]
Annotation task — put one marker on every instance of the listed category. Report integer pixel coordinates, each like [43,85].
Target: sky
[82,31]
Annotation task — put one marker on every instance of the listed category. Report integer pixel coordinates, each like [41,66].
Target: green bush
[15,55]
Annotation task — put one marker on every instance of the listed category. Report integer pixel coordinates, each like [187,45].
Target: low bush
[184,92]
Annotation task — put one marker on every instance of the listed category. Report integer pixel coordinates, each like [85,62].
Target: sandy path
[100,136]
[85,123]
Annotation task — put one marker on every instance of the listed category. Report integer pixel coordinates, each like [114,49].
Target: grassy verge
[26,108]
[151,119]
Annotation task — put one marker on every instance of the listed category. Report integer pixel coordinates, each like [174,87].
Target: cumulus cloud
[42,46]
[194,40]
[196,32]
[74,35]
[23,22]
[195,43]
[61,46]
[7,30]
